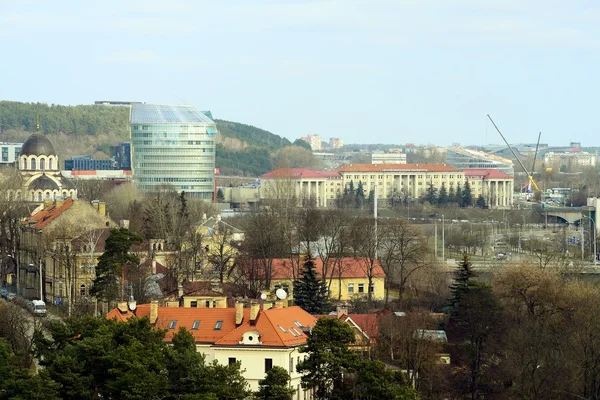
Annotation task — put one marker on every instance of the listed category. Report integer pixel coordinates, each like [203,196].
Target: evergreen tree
[458,195]
[371,199]
[462,277]
[275,386]
[431,194]
[467,196]
[360,195]
[443,195]
[310,292]
[480,202]
[220,195]
[451,195]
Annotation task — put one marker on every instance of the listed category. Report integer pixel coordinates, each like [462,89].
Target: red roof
[48,214]
[298,173]
[351,267]
[269,324]
[486,173]
[368,323]
[396,167]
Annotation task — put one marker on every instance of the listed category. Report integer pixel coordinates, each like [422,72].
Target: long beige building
[302,183]
[495,186]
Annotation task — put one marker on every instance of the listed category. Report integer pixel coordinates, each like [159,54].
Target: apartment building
[314,140]
[495,186]
[302,183]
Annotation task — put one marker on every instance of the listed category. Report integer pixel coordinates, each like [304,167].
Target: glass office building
[462,158]
[173,145]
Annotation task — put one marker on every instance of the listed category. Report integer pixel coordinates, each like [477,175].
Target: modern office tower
[462,158]
[173,145]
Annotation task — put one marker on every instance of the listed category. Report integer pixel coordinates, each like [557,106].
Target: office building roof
[349,168]
[166,114]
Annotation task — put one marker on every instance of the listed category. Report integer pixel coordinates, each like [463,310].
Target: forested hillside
[241,148]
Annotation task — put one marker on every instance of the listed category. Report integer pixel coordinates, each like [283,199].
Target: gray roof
[38,145]
[43,183]
[166,114]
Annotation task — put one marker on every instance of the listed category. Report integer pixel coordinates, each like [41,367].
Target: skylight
[196,324]
[298,324]
[173,324]
[218,325]
[282,328]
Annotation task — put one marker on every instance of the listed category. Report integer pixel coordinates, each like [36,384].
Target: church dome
[43,183]
[38,145]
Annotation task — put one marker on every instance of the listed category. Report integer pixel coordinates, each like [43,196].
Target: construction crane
[532,183]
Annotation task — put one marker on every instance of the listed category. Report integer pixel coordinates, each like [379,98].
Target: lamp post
[593,236]
[443,243]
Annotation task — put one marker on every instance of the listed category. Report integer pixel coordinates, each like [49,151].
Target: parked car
[38,307]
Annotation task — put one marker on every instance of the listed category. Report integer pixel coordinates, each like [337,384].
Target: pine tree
[443,195]
[310,292]
[431,195]
[451,195]
[360,195]
[462,278]
[480,202]
[467,196]
[458,195]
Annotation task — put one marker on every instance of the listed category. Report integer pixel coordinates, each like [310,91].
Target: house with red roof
[495,186]
[347,277]
[301,183]
[259,336]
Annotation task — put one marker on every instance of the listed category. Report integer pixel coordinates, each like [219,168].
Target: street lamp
[593,236]
[443,243]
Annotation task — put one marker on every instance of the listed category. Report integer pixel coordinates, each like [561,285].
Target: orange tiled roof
[48,214]
[267,324]
[351,268]
[277,328]
[487,173]
[349,168]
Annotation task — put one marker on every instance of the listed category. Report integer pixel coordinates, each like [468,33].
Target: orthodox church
[39,168]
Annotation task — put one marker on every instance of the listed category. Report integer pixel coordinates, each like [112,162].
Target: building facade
[397,179]
[86,163]
[462,158]
[301,183]
[379,157]
[173,145]
[314,141]
[122,156]
[10,152]
[336,143]
[495,186]
[569,161]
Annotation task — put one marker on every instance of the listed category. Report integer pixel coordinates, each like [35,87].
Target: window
[5,154]
[82,290]
[351,288]
[173,324]
[50,164]
[232,360]
[207,303]
[42,164]
[361,288]
[268,364]
[33,164]
[194,303]
[218,325]
[372,288]
[291,364]
[195,325]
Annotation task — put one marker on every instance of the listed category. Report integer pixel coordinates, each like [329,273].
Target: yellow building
[347,277]
[495,186]
[410,179]
[302,183]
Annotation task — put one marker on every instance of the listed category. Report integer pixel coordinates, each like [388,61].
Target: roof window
[173,324]
[298,324]
[196,324]
[282,328]
[218,325]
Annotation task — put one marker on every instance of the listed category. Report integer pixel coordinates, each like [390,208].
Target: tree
[310,292]
[374,381]
[467,196]
[221,253]
[365,246]
[431,194]
[451,195]
[360,195]
[480,202]
[113,264]
[275,386]
[220,195]
[302,143]
[442,195]
[458,196]
[329,359]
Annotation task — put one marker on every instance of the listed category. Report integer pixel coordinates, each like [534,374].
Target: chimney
[342,310]
[59,202]
[254,309]
[266,305]
[153,311]
[47,203]
[122,306]
[239,313]
[153,267]
[180,290]
[102,208]
[279,304]
[124,223]
[203,217]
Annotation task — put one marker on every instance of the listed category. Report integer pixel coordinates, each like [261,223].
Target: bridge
[567,214]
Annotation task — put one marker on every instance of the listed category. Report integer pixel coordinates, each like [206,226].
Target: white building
[315,141]
[379,157]
[569,160]
[9,152]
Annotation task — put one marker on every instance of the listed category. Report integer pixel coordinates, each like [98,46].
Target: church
[39,168]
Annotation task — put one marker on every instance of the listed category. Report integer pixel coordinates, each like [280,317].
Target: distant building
[173,145]
[336,143]
[313,140]
[379,157]
[86,163]
[462,158]
[10,152]
[569,160]
[301,183]
[117,102]
[122,155]
[495,186]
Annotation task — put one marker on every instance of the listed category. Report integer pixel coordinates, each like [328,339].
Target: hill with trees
[92,129]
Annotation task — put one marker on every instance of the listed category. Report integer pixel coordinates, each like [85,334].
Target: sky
[367,71]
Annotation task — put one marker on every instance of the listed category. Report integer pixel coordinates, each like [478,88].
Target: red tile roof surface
[351,268]
[349,168]
[48,214]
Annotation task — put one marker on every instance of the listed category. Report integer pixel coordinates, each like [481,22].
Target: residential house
[347,277]
[259,337]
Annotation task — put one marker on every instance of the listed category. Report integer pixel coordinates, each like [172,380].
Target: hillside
[88,129]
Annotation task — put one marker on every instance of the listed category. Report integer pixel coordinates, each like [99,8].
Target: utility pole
[435,239]
[443,243]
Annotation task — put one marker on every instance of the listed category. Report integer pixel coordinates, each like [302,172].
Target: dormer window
[251,338]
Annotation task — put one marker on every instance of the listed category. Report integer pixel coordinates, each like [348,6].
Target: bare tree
[222,253]
[334,242]
[365,246]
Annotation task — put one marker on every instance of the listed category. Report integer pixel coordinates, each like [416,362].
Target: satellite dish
[263,296]
[132,305]
[281,294]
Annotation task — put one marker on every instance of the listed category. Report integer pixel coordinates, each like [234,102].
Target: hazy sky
[367,71]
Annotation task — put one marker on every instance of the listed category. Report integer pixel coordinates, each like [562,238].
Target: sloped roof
[47,215]
[298,173]
[367,323]
[351,268]
[349,168]
[43,182]
[487,173]
[220,225]
[267,324]
[38,145]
